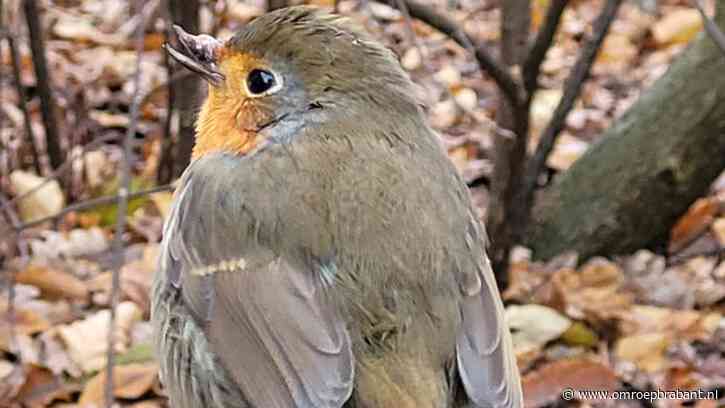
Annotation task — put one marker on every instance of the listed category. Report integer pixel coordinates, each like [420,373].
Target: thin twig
[92,203]
[572,88]
[22,100]
[42,80]
[509,86]
[122,208]
[186,93]
[14,219]
[542,43]
[165,171]
[711,27]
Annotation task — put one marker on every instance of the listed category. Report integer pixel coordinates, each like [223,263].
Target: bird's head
[290,69]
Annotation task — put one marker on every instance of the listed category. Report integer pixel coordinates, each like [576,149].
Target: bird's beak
[200,54]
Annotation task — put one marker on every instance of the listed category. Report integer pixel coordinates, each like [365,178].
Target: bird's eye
[261,82]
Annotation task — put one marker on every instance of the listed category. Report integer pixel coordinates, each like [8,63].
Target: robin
[321,250]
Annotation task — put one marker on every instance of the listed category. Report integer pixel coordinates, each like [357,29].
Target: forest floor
[647,321]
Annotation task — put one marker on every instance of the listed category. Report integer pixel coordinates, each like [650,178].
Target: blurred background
[591,134]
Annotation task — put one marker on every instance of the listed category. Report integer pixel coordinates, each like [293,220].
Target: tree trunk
[510,147]
[627,191]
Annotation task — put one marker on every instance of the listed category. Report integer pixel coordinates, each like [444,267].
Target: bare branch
[186,93]
[572,88]
[164,172]
[510,88]
[22,100]
[42,79]
[123,206]
[542,43]
[14,219]
[711,27]
[95,202]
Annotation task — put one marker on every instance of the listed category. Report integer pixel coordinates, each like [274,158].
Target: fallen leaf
[130,381]
[136,280]
[25,322]
[96,165]
[567,150]
[52,282]
[695,221]
[596,293]
[544,385]
[534,325]
[87,339]
[81,29]
[444,114]
[578,334]
[466,98]
[78,242]
[10,385]
[449,76]
[718,230]
[46,201]
[677,27]
[543,105]
[646,351]
[243,11]
[617,50]
[411,59]
[42,387]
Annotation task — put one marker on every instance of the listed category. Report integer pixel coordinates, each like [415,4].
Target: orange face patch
[229,118]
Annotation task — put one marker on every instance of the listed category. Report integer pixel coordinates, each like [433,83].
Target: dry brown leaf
[162,201]
[136,279]
[42,387]
[10,385]
[677,27]
[26,322]
[695,221]
[718,230]
[55,356]
[646,351]
[87,339]
[129,381]
[544,385]
[618,51]
[685,325]
[53,282]
[596,293]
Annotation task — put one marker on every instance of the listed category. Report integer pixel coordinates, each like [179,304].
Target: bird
[321,249]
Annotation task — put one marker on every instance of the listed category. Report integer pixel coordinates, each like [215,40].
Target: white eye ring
[262,82]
